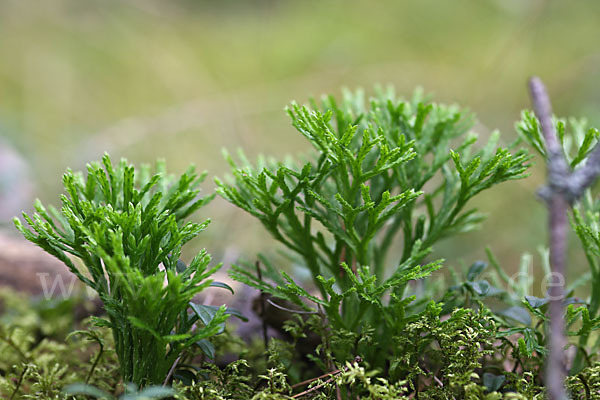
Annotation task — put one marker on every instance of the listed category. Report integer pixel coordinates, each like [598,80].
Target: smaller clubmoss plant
[128,230]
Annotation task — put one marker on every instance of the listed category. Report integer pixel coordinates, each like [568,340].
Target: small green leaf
[181,267]
[152,392]
[516,313]
[493,382]
[475,270]
[87,390]
[221,285]
[206,314]
[536,302]
[481,288]
[236,313]
[207,348]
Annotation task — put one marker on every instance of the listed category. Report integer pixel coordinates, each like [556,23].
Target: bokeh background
[181,80]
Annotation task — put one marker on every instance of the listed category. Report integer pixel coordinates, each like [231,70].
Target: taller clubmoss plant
[382,171]
[128,230]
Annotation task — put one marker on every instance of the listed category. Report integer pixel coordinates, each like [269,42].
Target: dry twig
[331,376]
[563,188]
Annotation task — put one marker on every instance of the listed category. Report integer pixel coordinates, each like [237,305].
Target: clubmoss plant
[389,173]
[128,230]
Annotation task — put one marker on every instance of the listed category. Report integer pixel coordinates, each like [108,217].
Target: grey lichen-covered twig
[564,187]
[561,179]
[557,200]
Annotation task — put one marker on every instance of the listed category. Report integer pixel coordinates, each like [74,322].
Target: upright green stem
[382,250]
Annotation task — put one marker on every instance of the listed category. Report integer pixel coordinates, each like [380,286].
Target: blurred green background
[180,80]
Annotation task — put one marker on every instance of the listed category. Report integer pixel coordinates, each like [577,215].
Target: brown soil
[25,267]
